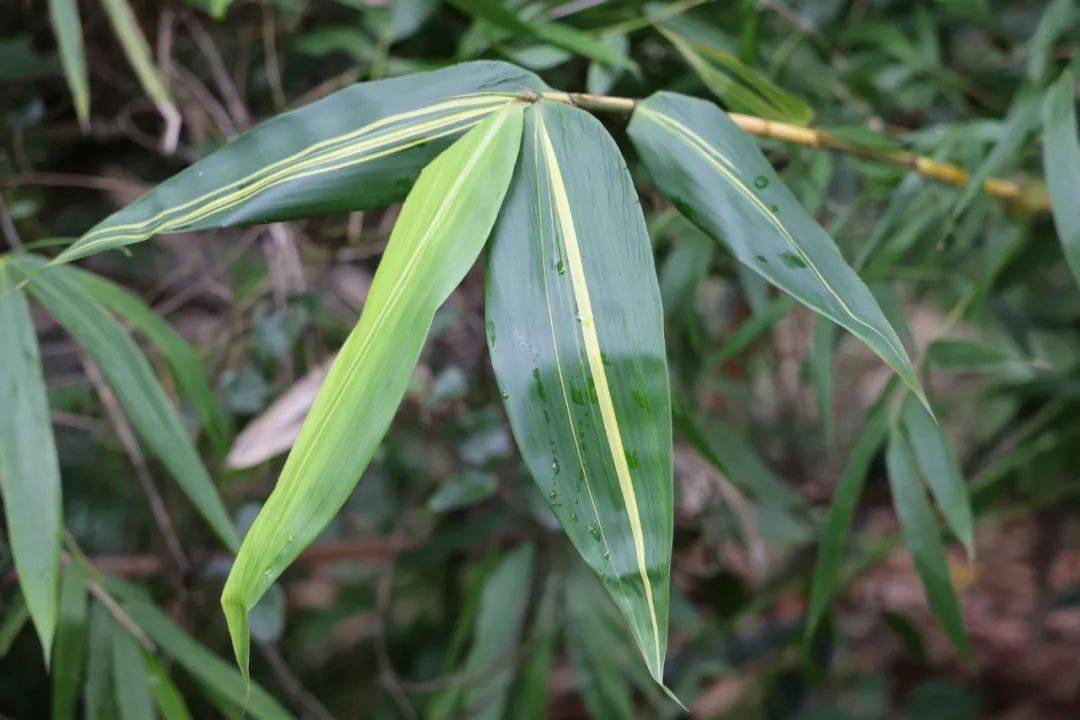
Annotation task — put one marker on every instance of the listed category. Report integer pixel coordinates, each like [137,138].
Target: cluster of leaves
[584,333]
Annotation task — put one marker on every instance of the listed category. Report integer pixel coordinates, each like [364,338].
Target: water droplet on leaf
[761,182]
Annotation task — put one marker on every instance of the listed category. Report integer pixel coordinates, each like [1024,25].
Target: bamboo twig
[1031,197]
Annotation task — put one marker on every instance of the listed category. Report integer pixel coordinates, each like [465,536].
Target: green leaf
[99,701]
[441,230]
[754,327]
[923,539]
[496,633]
[715,175]
[29,469]
[735,83]
[820,370]
[69,652]
[218,676]
[1061,160]
[1056,20]
[167,698]
[468,488]
[939,467]
[130,376]
[564,36]
[64,15]
[965,355]
[129,679]
[137,50]
[575,332]
[182,358]
[359,148]
[838,524]
[16,616]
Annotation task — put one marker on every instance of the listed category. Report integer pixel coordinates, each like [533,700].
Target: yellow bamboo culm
[1031,197]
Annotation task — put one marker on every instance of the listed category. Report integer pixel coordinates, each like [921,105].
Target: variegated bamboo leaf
[359,148]
[442,228]
[715,175]
[575,330]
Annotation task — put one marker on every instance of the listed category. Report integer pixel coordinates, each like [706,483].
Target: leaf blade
[1061,160]
[584,373]
[64,15]
[29,468]
[443,214]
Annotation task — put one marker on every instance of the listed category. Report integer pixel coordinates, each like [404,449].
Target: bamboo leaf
[358,148]
[16,615]
[842,510]
[216,675]
[182,358]
[820,370]
[132,379]
[137,50]
[923,539]
[497,631]
[99,701]
[752,328]
[442,227]
[564,36]
[64,15]
[716,176]
[575,332]
[29,469]
[133,698]
[167,698]
[941,470]
[69,652]
[1061,160]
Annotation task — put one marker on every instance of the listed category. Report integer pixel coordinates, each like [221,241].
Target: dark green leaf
[69,652]
[129,679]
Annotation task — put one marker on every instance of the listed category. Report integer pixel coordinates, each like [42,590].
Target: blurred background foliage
[444,588]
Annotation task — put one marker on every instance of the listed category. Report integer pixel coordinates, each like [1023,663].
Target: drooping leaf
[69,652]
[1061,161]
[182,358]
[1056,20]
[496,633]
[64,15]
[358,148]
[137,50]
[442,227]
[716,176]
[939,467]
[132,380]
[575,332]
[219,677]
[923,538]
[133,698]
[838,524]
[29,469]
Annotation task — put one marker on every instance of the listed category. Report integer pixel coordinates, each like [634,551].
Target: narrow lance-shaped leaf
[923,539]
[941,470]
[442,227]
[871,437]
[182,358]
[1061,160]
[575,331]
[359,148]
[69,654]
[133,698]
[99,700]
[714,174]
[167,698]
[29,470]
[130,376]
[64,15]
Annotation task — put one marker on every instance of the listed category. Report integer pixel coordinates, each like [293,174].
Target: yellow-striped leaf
[575,330]
[359,148]
[443,225]
[715,174]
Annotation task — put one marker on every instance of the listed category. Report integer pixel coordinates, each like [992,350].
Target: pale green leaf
[64,15]
[129,679]
[69,652]
[1061,160]
[440,232]
[167,698]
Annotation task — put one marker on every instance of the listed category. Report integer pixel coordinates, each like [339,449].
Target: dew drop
[761,182]
[642,400]
[604,358]
[490,325]
[577,395]
[555,469]
[504,395]
[554,493]
[560,267]
[631,459]
[573,516]
[762,259]
[595,532]
[540,384]
[592,391]
[774,208]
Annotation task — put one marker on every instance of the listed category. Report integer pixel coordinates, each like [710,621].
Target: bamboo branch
[1031,197]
